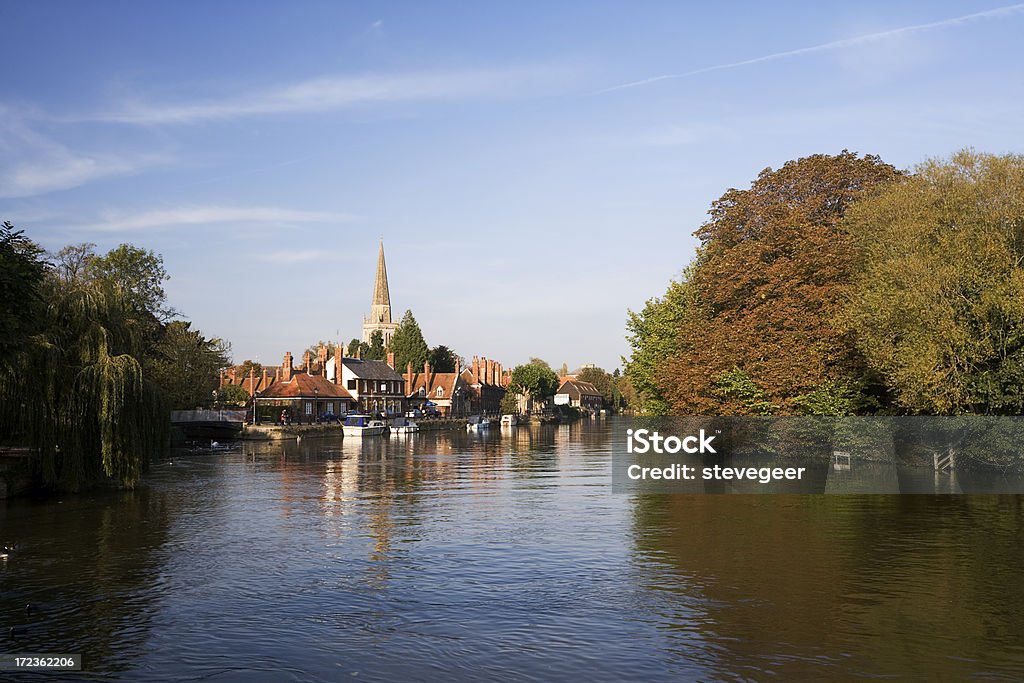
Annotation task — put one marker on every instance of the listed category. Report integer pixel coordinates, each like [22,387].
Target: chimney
[482,377]
[263,382]
[426,372]
[307,362]
[252,381]
[286,368]
[391,359]
[408,375]
[232,374]
[339,353]
[221,386]
[321,353]
[490,372]
[476,368]
[458,367]
[359,353]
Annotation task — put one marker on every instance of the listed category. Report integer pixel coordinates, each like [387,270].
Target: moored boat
[478,423]
[403,425]
[509,420]
[363,425]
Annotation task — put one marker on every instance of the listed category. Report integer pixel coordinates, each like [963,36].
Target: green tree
[22,273]
[353,348]
[407,343]
[186,365]
[233,395]
[937,308]
[442,359]
[654,338]
[375,349]
[137,276]
[532,382]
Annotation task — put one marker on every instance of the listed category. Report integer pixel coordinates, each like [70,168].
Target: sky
[534,169]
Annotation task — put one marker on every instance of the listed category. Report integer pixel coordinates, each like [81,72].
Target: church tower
[380,306]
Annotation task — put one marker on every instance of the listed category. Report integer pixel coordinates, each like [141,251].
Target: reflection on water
[504,555]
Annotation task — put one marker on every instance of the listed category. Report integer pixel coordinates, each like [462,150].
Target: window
[330,407]
[423,392]
[351,384]
[440,392]
[309,408]
[383,387]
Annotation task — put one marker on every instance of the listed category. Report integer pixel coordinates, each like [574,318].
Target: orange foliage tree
[762,333]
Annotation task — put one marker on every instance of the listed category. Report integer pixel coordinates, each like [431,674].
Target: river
[502,556]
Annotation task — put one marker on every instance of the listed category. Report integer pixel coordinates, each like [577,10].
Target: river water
[504,556]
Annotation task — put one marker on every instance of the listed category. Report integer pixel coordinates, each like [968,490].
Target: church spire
[380,308]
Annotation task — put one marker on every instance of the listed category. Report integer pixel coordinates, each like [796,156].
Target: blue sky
[534,169]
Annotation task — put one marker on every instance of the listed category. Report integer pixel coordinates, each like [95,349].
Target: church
[331,383]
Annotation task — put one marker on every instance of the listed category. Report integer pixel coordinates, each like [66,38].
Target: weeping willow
[77,390]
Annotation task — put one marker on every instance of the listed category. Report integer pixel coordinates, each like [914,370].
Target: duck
[6,550]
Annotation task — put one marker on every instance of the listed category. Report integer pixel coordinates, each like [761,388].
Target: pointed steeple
[380,308]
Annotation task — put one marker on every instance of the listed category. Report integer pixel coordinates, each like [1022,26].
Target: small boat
[363,425]
[403,425]
[509,420]
[477,423]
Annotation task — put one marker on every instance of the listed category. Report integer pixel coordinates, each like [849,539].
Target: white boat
[363,425]
[403,425]
[509,420]
[477,423]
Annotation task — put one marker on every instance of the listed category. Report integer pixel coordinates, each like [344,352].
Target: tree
[539,362]
[22,273]
[533,383]
[442,359]
[564,370]
[407,343]
[766,293]
[186,365]
[137,276]
[937,307]
[72,262]
[233,395]
[654,338]
[353,348]
[601,380]
[375,349]
[247,367]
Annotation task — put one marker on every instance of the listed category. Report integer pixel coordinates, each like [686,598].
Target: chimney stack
[490,372]
[221,386]
[339,353]
[252,381]
[458,367]
[263,382]
[408,375]
[321,353]
[286,367]
[391,359]
[475,368]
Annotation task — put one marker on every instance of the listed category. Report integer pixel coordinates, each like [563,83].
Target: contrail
[835,44]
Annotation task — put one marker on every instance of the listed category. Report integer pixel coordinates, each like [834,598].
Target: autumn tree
[762,330]
[938,308]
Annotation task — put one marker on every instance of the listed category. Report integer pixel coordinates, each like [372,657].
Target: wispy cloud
[996,13]
[337,92]
[208,215]
[33,164]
